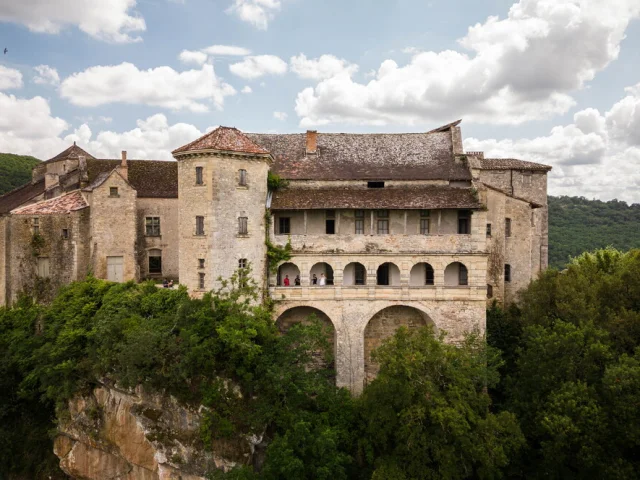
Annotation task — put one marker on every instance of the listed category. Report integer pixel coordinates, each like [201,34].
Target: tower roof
[73,151]
[227,139]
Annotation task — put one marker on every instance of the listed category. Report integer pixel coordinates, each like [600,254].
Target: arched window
[354,274]
[155,261]
[456,274]
[421,274]
[388,274]
[287,274]
[319,272]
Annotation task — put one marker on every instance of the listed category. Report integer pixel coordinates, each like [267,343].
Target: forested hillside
[578,225]
[15,170]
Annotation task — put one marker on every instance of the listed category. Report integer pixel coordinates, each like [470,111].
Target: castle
[402,229]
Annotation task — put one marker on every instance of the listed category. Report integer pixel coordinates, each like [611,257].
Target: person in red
[286,281]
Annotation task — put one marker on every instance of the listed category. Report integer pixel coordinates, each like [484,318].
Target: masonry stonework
[385,230]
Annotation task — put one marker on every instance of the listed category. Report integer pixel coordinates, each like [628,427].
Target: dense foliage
[15,170]
[552,394]
[578,225]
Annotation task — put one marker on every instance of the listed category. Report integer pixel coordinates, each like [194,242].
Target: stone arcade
[404,229]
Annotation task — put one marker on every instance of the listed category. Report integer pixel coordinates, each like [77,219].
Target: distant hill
[15,170]
[577,225]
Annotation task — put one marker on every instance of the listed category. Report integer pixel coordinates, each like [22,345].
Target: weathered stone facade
[385,230]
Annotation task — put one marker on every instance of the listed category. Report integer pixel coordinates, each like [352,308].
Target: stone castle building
[403,229]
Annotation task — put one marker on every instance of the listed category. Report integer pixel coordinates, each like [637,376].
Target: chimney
[124,168]
[312,141]
[82,167]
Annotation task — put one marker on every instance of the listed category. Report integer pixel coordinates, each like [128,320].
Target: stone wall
[113,227]
[455,312]
[221,201]
[68,258]
[168,241]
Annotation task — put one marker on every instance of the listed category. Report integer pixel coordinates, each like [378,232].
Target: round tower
[222,192]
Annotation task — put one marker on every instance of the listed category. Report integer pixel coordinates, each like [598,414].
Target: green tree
[427,414]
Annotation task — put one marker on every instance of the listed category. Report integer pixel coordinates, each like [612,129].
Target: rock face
[112,434]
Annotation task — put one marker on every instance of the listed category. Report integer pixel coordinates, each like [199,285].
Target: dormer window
[375,184]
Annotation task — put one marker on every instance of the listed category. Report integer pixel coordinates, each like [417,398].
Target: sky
[549,81]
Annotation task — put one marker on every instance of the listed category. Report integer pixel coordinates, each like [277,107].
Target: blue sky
[553,81]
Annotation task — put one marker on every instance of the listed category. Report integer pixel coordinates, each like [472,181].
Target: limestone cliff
[112,434]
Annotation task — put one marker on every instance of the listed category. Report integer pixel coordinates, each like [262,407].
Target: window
[201,281]
[429,275]
[464,222]
[284,225]
[507,273]
[424,222]
[383,274]
[330,223]
[65,233]
[360,274]
[463,275]
[199,225]
[199,176]
[155,261]
[489,291]
[113,191]
[243,226]
[43,267]
[152,226]
[242,274]
[383,222]
[35,223]
[359,214]
[242,177]
[507,227]
[201,263]
[488,229]
[375,184]
[526,178]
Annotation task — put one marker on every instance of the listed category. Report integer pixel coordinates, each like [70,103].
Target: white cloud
[326,66]
[259,65]
[519,68]
[109,20]
[191,57]
[27,127]
[282,116]
[10,78]
[247,89]
[193,90]
[256,12]
[226,50]
[598,155]
[46,75]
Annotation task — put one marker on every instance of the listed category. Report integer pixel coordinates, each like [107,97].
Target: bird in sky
[6,51]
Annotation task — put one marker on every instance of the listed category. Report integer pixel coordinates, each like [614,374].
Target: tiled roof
[151,178]
[512,164]
[67,203]
[73,151]
[419,197]
[345,156]
[225,139]
[20,195]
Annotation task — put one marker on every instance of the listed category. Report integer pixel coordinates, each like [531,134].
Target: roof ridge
[228,139]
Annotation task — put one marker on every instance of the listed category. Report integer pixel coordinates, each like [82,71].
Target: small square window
[488,229]
[199,176]
[375,184]
[489,291]
[65,233]
[383,227]
[284,224]
[113,191]
[383,214]
[152,226]
[201,263]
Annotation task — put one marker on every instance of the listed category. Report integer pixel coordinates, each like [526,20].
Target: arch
[321,268]
[154,261]
[456,274]
[354,273]
[422,274]
[384,325]
[285,270]
[304,315]
[388,274]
